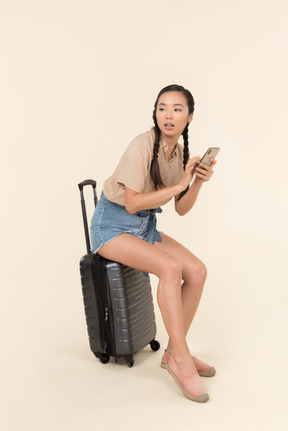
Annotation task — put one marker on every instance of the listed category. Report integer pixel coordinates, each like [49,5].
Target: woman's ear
[190,118]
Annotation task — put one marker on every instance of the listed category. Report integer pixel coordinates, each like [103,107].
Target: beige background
[78,82]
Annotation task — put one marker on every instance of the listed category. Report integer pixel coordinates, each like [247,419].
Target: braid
[186,147]
[156,142]
[185,155]
[154,169]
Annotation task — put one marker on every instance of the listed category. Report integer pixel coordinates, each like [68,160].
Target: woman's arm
[141,201]
[203,173]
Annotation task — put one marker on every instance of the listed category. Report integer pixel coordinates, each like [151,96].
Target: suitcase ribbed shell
[132,307]
[126,295]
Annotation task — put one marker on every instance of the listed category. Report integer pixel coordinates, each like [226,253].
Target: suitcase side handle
[83,205]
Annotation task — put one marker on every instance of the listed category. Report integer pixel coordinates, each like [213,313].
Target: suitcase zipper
[109,324]
[105,310]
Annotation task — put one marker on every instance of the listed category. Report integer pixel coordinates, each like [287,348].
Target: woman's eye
[178,110]
[161,109]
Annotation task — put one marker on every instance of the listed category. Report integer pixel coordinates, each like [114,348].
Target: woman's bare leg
[193,274]
[139,254]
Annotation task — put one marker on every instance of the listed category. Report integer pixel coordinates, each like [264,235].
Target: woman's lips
[168,126]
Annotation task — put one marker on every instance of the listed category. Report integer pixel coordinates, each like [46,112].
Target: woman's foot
[188,381]
[203,369]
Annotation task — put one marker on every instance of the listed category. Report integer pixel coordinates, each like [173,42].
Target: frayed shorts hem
[158,239]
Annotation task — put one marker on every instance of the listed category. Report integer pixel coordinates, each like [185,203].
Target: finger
[202,177]
[203,166]
[213,161]
[204,172]
[193,160]
[191,165]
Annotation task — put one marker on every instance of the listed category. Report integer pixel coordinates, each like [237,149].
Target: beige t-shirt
[133,170]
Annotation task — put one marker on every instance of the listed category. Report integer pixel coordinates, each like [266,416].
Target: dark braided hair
[185,155]
[154,169]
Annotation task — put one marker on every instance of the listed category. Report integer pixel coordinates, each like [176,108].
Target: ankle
[185,364]
[169,348]
[181,353]
[181,359]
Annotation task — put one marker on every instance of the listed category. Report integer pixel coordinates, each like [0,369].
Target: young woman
[154,169]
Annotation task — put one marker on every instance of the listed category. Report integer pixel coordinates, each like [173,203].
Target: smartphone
[211,152]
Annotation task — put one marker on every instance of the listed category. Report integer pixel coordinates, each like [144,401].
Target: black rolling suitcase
[118,303]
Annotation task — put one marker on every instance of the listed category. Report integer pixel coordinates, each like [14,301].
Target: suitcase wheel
[129,361]
[103,357]
[155,345]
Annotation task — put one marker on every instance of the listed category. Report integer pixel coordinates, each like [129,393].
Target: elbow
[130,209]
[181,212]
[130,201]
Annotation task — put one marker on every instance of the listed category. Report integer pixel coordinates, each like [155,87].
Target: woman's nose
[169,114]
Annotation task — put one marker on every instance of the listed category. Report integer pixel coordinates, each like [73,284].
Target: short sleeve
[133,168]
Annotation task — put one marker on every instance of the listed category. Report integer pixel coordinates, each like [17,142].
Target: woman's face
[172,114]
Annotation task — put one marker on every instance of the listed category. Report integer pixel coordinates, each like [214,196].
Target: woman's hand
[204,172]
[188,173]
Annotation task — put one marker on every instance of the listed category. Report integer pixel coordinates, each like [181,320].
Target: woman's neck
[171,141]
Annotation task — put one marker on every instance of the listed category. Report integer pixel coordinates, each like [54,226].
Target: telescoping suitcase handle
[84,213]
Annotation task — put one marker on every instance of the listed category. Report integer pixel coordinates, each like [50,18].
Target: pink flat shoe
[203,369]
[191,386]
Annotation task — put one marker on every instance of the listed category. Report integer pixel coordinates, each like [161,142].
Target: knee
[202,271]
[198,272]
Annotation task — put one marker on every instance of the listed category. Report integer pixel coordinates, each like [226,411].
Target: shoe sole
[209,373]
[198,399]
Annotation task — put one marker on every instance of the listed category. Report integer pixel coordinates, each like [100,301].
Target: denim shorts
[110,220]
